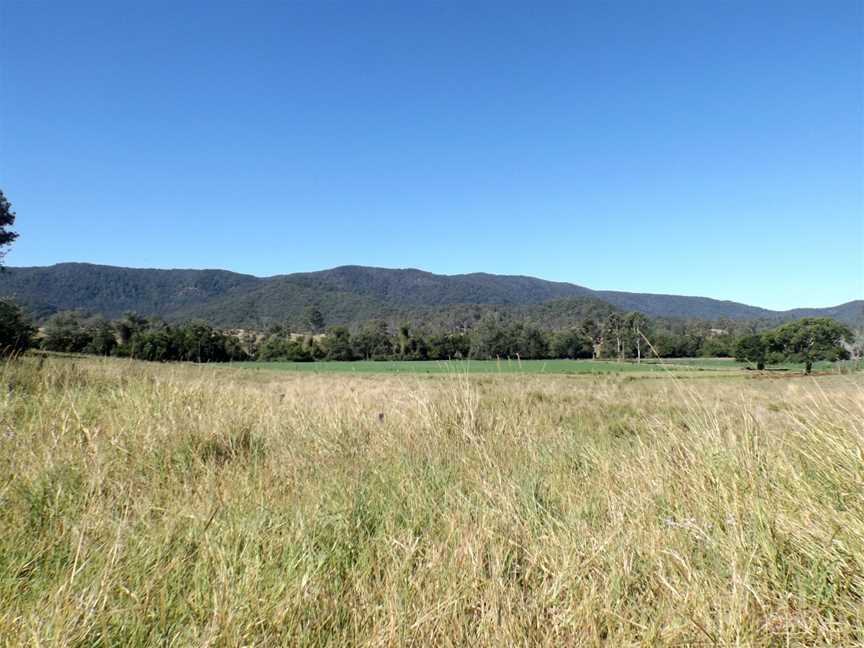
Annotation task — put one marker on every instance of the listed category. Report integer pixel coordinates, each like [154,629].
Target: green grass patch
[482,366]
[530,366]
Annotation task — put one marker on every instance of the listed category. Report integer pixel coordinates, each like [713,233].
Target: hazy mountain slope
[850,312]
[681,306]
[346,294]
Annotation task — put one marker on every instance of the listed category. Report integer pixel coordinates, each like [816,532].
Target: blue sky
[694,147]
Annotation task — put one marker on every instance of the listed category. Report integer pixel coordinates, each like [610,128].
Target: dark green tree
[314,319]
[532,343]
[128,325]
[66,331]
[493,338]
[753,349]
[810,339]
[16,330]
[372,342]
[404,340]
[594,332]
[571,343]
[7,220]
[448,346]
[101,336]
[337,344]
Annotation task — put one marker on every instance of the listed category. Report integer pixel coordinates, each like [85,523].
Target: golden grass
[184,506]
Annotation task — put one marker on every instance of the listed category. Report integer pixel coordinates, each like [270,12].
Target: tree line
[130,336]
[617,336]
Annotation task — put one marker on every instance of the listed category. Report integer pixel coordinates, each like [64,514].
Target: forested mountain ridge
[345,295]
[111,290]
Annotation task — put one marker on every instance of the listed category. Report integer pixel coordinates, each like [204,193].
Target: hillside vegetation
[148,504]
[344,295]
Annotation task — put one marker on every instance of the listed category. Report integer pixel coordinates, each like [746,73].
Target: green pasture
[717,365]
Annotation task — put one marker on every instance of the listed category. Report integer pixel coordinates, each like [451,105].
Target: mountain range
[345,295]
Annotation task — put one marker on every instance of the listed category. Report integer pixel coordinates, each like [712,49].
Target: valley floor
[648,366]
[183,505]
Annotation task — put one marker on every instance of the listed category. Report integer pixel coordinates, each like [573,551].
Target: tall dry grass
[146,505]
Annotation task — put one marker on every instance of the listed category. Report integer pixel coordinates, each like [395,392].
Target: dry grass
[173,505]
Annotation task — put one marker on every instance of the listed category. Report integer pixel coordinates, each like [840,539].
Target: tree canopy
[16,330]
[805,340]
[7,220]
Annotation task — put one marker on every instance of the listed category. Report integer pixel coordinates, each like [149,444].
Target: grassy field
[178,505]
[531,366]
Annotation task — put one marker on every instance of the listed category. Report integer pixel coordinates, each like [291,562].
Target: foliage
[571,344]
[448,346]
[495,335]
[372,342]
[193,342]
[7,220]
[718,346]
[276,348]
[752,349]
[67,331]
[314,319]
[16,329]
[135,337]
[337,344]
[808,339]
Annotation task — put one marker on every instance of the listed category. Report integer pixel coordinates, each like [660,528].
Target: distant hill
[111,290]
[347,294]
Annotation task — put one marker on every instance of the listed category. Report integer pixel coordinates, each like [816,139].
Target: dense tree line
[617,336]
[629,336]
[136,337]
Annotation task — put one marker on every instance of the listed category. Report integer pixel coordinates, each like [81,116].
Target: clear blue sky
[694,147]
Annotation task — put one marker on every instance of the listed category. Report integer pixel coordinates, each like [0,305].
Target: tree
[315,319]
[594,332]
[128,325]
[718,346]
[453,346]
[7,219]
[372,342]
[615,328]
[404,339]
[16,330]
[811,338]
[636,324]
[751,348]
[572,344]
[337,344]
[102,340]
[65,331]
[532,343]
[492,338]
[856,350]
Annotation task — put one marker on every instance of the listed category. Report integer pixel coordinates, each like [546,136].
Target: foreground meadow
[146,505]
